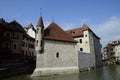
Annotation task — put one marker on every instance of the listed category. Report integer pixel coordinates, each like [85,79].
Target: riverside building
[64,52]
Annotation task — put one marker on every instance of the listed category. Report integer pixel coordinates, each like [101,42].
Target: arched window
[57,55]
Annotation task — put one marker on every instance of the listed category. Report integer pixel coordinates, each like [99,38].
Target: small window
[36,43]
[22,51]
[85,35]
[23,43]
[57,55]
[26,45]
[37,30]
[81,49]
[41,43]
[14,46]
[32,53]
[26,52]
[8,35]
[7,45]
[73,32]
[15,36]
[23,37]
[80,40]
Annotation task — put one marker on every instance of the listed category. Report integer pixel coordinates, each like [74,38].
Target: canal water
[110,72]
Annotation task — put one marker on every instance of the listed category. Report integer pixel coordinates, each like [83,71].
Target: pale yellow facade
[38,39]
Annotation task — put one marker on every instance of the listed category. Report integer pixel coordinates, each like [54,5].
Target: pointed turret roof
[40,22]
[54,32]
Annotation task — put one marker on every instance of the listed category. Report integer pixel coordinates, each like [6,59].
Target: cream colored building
[88,42]
[59,52]
[117,49]
[112,52]
[117,52]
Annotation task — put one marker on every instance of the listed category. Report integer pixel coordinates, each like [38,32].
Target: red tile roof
[54,32]
[78,32]
[75,32]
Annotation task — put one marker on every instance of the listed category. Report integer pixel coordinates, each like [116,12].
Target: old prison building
[64,52]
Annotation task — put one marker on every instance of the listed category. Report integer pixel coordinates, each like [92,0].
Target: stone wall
[87,45]
[58,57]
[84,62]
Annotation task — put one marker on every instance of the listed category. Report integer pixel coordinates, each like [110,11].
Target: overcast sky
[102,16]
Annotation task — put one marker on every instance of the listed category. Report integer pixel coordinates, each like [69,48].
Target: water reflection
[111,72]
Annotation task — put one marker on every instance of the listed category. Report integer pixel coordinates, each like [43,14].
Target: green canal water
[111,72]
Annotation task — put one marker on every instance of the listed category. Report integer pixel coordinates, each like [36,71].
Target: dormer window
[72,32]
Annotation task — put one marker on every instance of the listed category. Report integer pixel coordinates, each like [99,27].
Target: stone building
[28,48]
[29,42]
[117,50]
[112,51]
[10,42]
[88,42]
[12,39]
[58,50]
